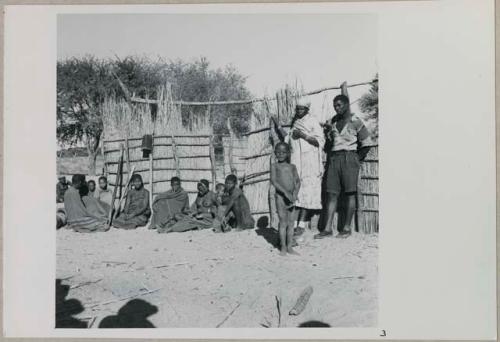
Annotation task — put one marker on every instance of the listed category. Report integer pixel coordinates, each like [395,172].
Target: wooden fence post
[176,159]
[230,152]
[212,161]
[151,177]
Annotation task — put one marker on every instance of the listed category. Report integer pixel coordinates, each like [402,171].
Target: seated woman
[168,204]
[79,218]
[136,211]
[202,213]
[236,204]
[93,205]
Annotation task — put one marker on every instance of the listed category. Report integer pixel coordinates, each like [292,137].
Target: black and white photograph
[217,170]
[221,171]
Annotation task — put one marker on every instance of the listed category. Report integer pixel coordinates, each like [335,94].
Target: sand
[204,279]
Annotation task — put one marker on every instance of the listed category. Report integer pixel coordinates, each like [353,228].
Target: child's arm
[296,179]
[276,183]
[230,203]
[281,132]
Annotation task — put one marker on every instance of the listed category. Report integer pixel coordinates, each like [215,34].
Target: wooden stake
[176,159]
[117,184]
[151,182]
[212,161]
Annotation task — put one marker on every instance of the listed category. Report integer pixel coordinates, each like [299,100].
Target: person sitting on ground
[61,188]
[237,204]
[136,211]
[285,179]
[78,217]
[93,205]
[103,193]
[222,199]
[169,206]
[91,188]
[202,213]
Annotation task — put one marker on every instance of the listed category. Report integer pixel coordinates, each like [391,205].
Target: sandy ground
[203,279]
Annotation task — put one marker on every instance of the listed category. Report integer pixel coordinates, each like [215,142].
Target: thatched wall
[178,149]
[189,152]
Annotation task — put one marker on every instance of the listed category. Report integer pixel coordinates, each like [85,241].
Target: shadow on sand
[314,324]
[133,314]
[67,308]
[270,234]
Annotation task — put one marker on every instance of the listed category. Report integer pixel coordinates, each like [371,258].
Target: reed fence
[189,150]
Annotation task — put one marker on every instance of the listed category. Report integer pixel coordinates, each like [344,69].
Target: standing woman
[306,139]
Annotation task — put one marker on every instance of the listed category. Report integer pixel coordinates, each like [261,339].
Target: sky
[317,50]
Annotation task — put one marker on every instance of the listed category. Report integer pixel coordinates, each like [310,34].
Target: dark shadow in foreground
[134,314]
[314,324]
[268,233]
[66,308]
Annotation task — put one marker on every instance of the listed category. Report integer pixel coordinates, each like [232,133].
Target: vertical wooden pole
[127,157]
[273,217]
[104,166]
[230,152]
[212,161]
[151,178]
[176,159]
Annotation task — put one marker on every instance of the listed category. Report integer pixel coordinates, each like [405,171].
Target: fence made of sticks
[189,151]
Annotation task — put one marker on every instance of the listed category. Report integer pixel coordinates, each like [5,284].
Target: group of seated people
[87,209]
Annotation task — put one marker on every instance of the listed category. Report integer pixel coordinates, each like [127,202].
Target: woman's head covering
[303,102]
[136,176]
[204,183]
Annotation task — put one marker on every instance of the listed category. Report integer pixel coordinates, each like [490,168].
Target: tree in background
[84,83]
[368,103]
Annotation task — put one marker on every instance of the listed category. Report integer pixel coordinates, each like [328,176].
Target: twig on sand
[84,283]
[168,265]
[122,299]
[66,278]
[114,262]
[350,277]
[91,323]
[278,305]
[229,315]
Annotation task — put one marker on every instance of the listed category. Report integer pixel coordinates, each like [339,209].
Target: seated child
[61,188]
[91,188]
[136,211]
[104,194]
[285,179]
[222,199]
[237,205]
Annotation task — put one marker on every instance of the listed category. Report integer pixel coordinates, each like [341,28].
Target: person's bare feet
[290,250]
[283,252]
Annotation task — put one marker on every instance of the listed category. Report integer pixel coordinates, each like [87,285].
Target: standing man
[349,140]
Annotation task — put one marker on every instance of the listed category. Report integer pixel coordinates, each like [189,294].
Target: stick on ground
[229,315]
[302,301]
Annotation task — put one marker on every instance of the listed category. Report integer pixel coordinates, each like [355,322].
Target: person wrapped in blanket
[80,217]
[136,211]
[202,214]
[169,206]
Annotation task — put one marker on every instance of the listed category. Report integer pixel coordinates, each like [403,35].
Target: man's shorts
[342,173]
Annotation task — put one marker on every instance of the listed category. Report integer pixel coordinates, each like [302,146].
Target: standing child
[136,211]
[237,204]
[285,179]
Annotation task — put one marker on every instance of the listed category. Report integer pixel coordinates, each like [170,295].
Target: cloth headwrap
[204,183]
[302,102]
